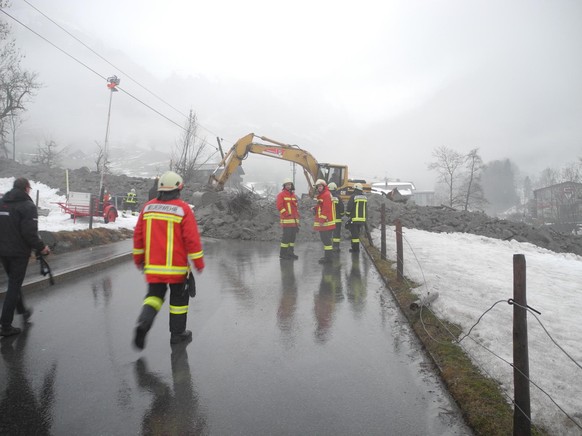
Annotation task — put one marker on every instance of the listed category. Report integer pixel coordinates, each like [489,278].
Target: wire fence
[461,338]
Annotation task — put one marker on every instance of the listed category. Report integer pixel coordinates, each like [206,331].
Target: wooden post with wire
[383,232]
[399,251]
[521,411]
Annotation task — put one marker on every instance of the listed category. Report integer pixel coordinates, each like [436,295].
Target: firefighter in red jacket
[288,219]
[165,241]
[324,219]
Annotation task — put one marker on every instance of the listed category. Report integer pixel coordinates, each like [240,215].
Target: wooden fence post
[399,251]
[383,232]
[521,410]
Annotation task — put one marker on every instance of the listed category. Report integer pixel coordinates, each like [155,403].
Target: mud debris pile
[247,216]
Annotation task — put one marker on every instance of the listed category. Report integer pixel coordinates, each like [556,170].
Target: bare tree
[189,152]
[448,164]
[472,187]
[4,139]
[572,172]
[548,177]
[17,86]
[99,156]
[48,155]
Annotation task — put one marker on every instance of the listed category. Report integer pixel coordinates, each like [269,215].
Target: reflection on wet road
[278,347]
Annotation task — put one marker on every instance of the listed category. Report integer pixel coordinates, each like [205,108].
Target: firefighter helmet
[170,181]
[287,180]
[332,186]
[320,182]
[358,187]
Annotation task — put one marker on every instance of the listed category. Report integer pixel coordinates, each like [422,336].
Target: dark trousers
[288,241]
[355,229]
[15,268]
[288,237]
[337,236]
[178,305]
[326,237]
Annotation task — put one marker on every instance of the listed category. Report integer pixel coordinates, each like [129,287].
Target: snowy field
[57,220]
[471,274]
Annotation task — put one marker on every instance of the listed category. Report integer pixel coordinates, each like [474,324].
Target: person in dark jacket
[18,237]
[356,211]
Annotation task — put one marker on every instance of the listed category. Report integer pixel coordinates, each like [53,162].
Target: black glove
[190,285]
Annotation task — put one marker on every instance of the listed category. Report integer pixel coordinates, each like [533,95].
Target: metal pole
[521,412]
[112,82]
[105,144]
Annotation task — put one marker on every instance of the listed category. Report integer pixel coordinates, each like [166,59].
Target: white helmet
[332,186]
[170,181]
[287,180]
[132,190]
[358,186]
[320,182]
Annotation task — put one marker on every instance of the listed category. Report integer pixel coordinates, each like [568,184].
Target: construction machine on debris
[312,169]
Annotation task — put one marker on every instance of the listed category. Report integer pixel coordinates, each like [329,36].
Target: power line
[102,58]
[99,75]
[116,67]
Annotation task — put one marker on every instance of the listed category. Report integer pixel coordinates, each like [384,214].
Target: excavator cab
[337,174]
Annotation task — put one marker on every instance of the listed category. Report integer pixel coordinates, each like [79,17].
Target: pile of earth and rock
[241,214]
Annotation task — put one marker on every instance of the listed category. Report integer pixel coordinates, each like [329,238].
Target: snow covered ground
[470,274]
[57,220]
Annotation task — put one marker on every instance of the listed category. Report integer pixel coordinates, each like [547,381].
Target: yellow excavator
[312,169]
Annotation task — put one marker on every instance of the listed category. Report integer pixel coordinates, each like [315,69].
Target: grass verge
[480,399]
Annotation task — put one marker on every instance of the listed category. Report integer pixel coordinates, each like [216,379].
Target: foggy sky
[376,85]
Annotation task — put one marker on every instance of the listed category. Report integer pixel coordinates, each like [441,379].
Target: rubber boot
[144,323]
[292,254]
[176,338]
[284,253]
[327,257]
[355,247]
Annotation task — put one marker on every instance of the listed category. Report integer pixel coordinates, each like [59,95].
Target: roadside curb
[75,271]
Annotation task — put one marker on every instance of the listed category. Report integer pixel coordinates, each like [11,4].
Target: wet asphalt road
[279,347]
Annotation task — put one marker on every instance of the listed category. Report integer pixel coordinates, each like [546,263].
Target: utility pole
[112,83]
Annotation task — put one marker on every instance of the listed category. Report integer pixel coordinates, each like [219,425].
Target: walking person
[165,241]
[356,210]
[339,210]
[324,222]
[288,219]
[18,237]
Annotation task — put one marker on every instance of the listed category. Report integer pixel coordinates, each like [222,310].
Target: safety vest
[288,211]
[165,238]
[324,212]
[131,197]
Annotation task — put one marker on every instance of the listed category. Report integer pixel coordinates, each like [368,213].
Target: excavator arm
[291,153]
[247,144]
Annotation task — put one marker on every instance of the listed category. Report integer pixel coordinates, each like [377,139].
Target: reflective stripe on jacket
[287,207]
[356,209]
[338,205]
[131,198]
[165,237]
[324,212]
